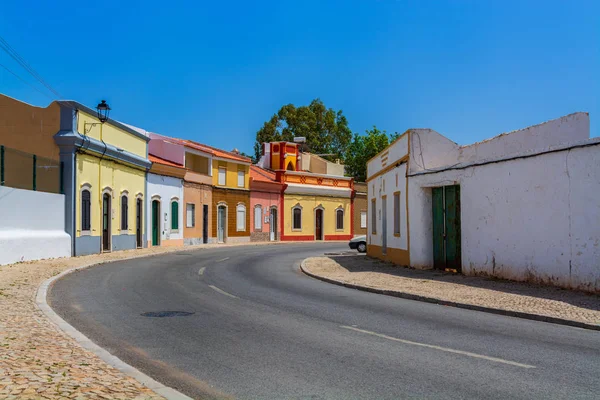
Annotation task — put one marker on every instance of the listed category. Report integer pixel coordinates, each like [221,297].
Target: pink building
[265,203]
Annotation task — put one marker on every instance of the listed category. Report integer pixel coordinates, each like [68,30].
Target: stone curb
[433,300]
[86,343]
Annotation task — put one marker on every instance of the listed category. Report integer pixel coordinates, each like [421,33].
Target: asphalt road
[260,329]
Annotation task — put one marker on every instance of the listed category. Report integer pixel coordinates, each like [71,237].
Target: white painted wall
[167,188]
[387,184]
[430,150]
[391,154]
[568,129]
[32,226]
[535,219]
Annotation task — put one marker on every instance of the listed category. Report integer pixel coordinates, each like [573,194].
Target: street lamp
[103,109]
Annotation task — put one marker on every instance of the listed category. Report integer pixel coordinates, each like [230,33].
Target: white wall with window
[386,183]
[170,191]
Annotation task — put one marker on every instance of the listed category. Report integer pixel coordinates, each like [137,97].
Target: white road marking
[430,346]
[222,259]
[201,271]
[223,292]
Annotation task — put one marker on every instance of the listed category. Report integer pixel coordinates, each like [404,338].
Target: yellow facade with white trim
[101,175]
[231,176]
[309,204]
[110,134]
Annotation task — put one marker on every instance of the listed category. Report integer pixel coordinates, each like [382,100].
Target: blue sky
[215,71]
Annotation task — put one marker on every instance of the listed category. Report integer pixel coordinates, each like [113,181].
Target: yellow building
[315,206]
[105,167]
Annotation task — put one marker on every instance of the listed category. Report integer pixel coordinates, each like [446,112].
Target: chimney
[235,151]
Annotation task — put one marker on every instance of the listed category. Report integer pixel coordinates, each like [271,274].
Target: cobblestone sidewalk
[477,291]
[38,360]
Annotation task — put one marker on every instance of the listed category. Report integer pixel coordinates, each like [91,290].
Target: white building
[165,203]
[522,205]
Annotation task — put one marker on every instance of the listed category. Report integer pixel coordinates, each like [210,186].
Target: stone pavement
[38,360]
[505,295]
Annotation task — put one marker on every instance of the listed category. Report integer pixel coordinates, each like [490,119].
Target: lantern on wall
[103,110]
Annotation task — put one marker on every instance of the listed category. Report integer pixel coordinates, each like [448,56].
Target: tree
[325,129]
[363,148]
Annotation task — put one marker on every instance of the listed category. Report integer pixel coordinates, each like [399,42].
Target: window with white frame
[241,178]
[190,214]
[241,217]
[363,219]
[257,217]
[339,219]
[297,218]
[222,176]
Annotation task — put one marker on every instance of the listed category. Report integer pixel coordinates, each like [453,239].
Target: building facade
[360,209]
[314,206]
[105,167]
[265,200]
[165,203]
[231,197]
[517,206]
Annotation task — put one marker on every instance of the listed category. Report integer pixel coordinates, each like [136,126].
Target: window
[297,218]
[257,218]
[85,210]
[363,219]
[397,213]
[373,216]
[124,212]
[241,178]
[190,215]
[339,219]
[222,176]
[241,217]
[175,215]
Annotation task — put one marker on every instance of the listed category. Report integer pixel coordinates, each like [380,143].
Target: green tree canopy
[325,129]
[363,148]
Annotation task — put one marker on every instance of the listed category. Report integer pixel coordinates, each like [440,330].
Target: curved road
[260,329]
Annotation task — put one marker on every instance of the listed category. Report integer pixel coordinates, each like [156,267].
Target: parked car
[359,243]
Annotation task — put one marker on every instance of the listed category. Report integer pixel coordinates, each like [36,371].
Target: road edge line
[83,341]
[433,300]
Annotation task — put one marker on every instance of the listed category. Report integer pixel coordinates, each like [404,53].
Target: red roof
[158,160]
[208,149]
[259,174]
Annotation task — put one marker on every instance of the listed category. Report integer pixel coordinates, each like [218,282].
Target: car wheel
[362,247]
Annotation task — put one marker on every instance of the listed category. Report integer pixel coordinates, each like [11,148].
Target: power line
[25,82]
[4,45]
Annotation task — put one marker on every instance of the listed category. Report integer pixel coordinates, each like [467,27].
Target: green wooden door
[155,223]
[439,254]
[446,227]
[452,207]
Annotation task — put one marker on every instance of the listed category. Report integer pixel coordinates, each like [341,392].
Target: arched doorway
[221,223]
[273,224]
[155,222]
[319,224]
[106,217]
